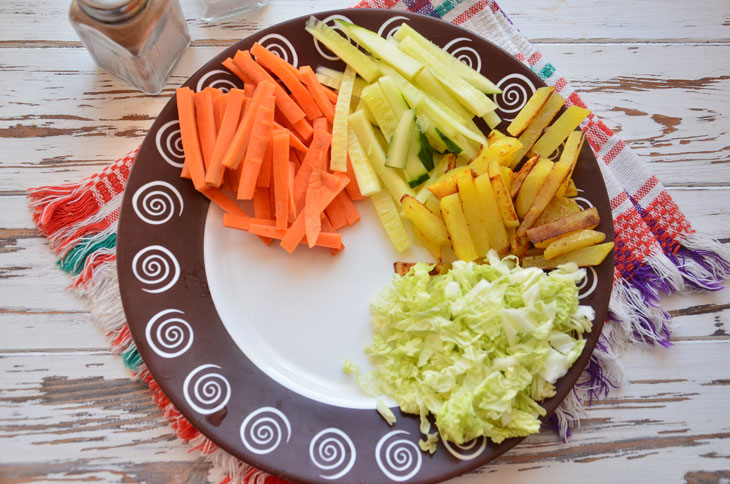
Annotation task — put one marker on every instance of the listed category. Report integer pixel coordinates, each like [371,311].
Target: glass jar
[213,10]
[138,41]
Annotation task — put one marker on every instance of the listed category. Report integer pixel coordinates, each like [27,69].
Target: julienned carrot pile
[269,143]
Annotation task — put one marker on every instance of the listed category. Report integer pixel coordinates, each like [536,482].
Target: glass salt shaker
[214,10]
[138,41]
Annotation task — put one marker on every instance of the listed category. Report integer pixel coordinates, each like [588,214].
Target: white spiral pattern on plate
[465,54]
[398,458]
[169,336]
[218,79]
[582,202]
[156,266]
[386,31]
[154,202]
[261,430]
[169,143]
[588,284]
[331,18]
[280,45]
[205,390]
[516,91]
[467,451]
[329,451]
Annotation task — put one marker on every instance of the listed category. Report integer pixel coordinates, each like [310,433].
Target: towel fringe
[703,261]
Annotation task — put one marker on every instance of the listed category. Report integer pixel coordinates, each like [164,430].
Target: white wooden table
[658,71]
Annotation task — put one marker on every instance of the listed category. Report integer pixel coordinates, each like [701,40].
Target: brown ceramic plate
[248,341]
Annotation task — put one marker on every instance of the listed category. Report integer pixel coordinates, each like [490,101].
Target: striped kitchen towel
[657,251]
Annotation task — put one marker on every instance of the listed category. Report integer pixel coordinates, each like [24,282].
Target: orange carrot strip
[205,117]
[261,207]
[278,66]
[335,213]
[327,227]
[267,166]
[219,109]
[228,128]
[244,223]
[229,206]
[260,134]
[294,140]
[331,95]
[292,174]
[315,156]
[280,141]
[189,134]
[328,240]
[348,208]
[231,66]
[249,88]
[353,190]
[316,89]
[312,224]
[239,143]
[297,230]
[258,74]
[303,129]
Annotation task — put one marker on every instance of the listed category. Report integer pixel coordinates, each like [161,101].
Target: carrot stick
[229,125]
[297,230]
[239,142]
[280,142]
[189,134]
[336,214]
[327,227]
[219,109]
[315,155]
[348,208]
[316,89]
[284,103]
[303,129]
[244,223]
[278,66]
[353,190]
[261,207]
[267,167]
[330,240]
[312,224]
[259,139]
[216,196]
[292,174]
[205,117]
[231,66]
[249,88]
[294,140]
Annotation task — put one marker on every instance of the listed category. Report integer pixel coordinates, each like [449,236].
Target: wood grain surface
[657,71]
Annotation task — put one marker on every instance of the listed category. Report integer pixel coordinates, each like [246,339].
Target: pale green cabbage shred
[477,347]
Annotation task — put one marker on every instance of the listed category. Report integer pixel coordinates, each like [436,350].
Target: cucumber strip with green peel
[380,107]
[389,214]
[382,49]
[448,124]
[467,73]
[338,151]
[429,130]
[492,119]
[390,177]
[425,151]
[367,179]
[426,81]
[343,49]
[472,98]
[423,193]
[415,172]
[399,143]
[333,78]
[451,147]
[394,95]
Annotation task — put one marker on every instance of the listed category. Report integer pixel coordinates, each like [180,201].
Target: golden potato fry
[433,249]
[434,205]
[497,233]
[558,207]
[531,186]
[473,212]
[531,109]
[429,224]
[570,156]
[457,227]
[518,245]
[446,184]
[585,219]
[494,135]
[501,150]
[507,176]
[572,190]
[536,127]
[547,191]
[504,201]
[573,241]
[402,268]
[587,256]
[519,178]
[560,130]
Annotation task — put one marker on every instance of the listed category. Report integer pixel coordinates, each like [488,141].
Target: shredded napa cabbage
[476,347]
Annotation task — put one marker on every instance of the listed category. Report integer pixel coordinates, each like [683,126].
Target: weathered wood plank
[542,21]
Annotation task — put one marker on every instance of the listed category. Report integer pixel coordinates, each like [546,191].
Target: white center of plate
[299,316]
